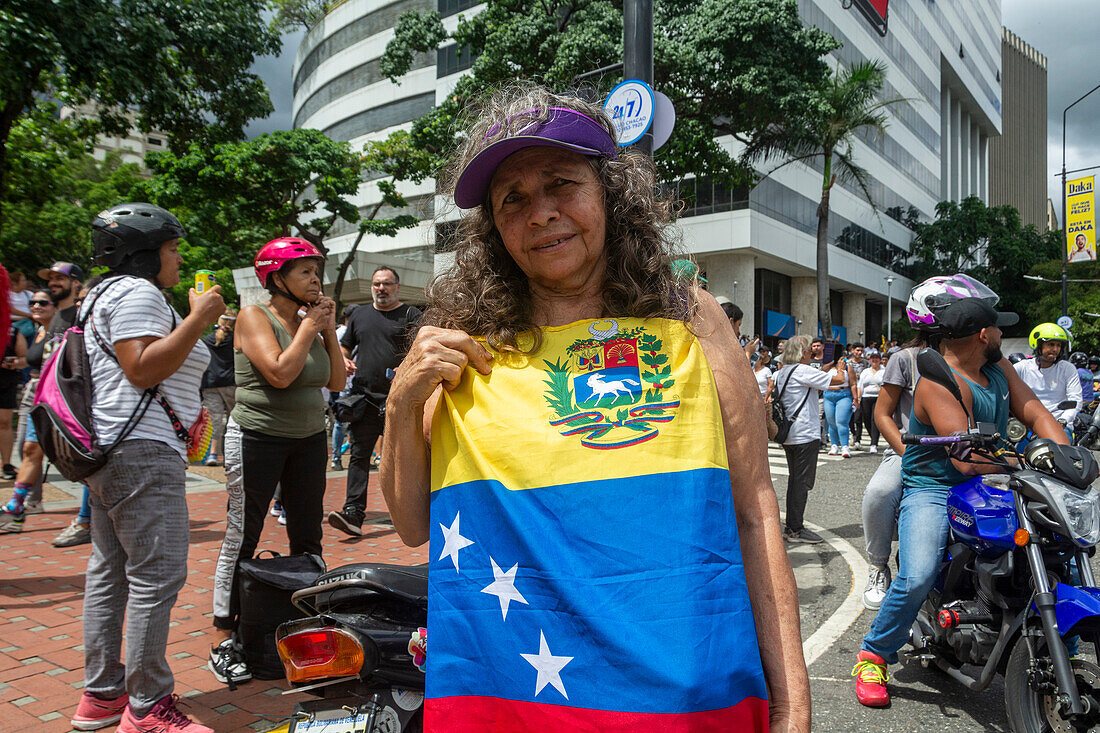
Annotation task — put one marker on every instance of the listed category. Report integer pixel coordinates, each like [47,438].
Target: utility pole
[1065,212]
[638,52]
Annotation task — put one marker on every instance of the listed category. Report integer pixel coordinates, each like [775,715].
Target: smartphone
[832,351]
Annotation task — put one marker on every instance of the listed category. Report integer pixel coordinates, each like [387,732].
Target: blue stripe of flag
[639,580]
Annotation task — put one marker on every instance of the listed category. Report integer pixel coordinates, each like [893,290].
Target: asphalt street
[922,699]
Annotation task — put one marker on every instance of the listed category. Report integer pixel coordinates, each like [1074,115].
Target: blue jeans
[339,432]
[838,413]
[922,538]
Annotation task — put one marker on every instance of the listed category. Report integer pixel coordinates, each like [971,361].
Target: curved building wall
[339,90]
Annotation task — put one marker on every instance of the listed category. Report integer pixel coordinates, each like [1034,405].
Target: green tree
[849,104]
[1043,300]
[178,65]
[54,191]
[232,197]
[730,68]
[291,14]
[987,242]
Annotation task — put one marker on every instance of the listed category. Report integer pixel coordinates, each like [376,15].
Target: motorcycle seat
[411,582]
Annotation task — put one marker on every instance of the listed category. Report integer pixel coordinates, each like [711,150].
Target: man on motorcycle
[971,345]
[1080,361]
[1053,379]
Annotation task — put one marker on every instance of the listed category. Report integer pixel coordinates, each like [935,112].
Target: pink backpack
[62,411]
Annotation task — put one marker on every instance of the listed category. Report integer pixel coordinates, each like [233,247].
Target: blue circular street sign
[631,106]
[1065,322]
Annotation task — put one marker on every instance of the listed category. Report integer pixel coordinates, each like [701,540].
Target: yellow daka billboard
[1081,220]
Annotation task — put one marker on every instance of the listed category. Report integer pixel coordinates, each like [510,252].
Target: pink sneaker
[93,713]
[163,718]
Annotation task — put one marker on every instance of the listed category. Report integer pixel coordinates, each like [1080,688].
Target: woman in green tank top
[286,350]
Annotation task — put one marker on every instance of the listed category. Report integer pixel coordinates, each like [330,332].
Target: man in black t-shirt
[63,280]
[377,335]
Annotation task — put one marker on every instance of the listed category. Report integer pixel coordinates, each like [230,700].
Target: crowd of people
[259,379]
[565,256]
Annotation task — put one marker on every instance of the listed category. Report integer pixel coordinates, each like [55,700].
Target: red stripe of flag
[478,714]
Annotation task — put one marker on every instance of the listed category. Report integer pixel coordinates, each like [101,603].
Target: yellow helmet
[1049,332]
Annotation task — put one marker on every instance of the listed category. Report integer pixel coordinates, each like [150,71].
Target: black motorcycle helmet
[1094,362]
[127,238]
[1079,359]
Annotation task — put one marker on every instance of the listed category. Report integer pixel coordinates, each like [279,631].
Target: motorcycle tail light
[320,653]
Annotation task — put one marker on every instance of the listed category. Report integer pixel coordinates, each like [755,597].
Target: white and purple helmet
[929,298]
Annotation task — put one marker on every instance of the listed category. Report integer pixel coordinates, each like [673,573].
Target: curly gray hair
[485,293]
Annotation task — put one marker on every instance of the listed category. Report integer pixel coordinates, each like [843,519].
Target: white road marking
[834,627]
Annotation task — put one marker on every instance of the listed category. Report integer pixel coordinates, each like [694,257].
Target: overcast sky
[1066,31]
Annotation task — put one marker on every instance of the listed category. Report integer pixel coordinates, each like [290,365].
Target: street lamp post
[889,310]
[1065,213]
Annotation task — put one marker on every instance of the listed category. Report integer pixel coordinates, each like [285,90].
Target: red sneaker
[871,676]
[163,718]
[93,713]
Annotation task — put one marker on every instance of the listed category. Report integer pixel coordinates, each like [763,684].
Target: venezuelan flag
[585,570]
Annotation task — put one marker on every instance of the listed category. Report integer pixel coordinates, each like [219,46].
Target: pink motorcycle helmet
[278,252]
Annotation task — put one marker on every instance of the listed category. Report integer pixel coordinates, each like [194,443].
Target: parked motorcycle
[1086,429]
[1018,434]
[360,652]
[1007,598]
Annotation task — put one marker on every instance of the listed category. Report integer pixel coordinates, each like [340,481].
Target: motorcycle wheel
[1030,711]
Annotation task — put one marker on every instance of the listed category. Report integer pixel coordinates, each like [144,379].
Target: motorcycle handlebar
[933,439]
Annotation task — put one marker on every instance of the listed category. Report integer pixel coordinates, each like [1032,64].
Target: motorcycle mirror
[932,366]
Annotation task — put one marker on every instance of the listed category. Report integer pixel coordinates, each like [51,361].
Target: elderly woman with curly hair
[574,432]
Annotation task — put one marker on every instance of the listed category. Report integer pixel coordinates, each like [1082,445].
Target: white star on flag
[549,667]
[453,541]
[504,588]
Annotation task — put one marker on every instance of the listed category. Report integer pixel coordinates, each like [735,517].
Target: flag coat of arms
[585,571]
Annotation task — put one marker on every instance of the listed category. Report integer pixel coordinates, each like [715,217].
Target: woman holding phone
[286,350]
[838,401]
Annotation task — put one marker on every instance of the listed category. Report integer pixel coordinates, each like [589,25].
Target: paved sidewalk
[41,599]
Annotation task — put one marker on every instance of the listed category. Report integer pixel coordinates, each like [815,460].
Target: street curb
[843,617]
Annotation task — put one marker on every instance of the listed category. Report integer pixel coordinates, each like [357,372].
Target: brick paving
[41,600]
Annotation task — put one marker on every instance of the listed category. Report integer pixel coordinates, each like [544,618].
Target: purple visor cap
[565,128]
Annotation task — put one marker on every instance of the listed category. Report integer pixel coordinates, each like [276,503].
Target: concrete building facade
[131,147]
[1018,158]
[756,247]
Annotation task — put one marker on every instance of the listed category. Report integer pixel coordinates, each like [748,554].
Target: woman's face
[170,261]
[876,361]
[302,279]
[42,307]
[547,204]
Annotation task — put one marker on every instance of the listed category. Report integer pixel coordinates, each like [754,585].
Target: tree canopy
[730,68]
[54,191]
[989,243]
[1044,300]
[181,66]
[235,196]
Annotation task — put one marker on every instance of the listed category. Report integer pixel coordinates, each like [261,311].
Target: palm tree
[848,105]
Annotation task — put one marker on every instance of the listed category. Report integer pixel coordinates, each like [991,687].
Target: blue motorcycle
[1016,584]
